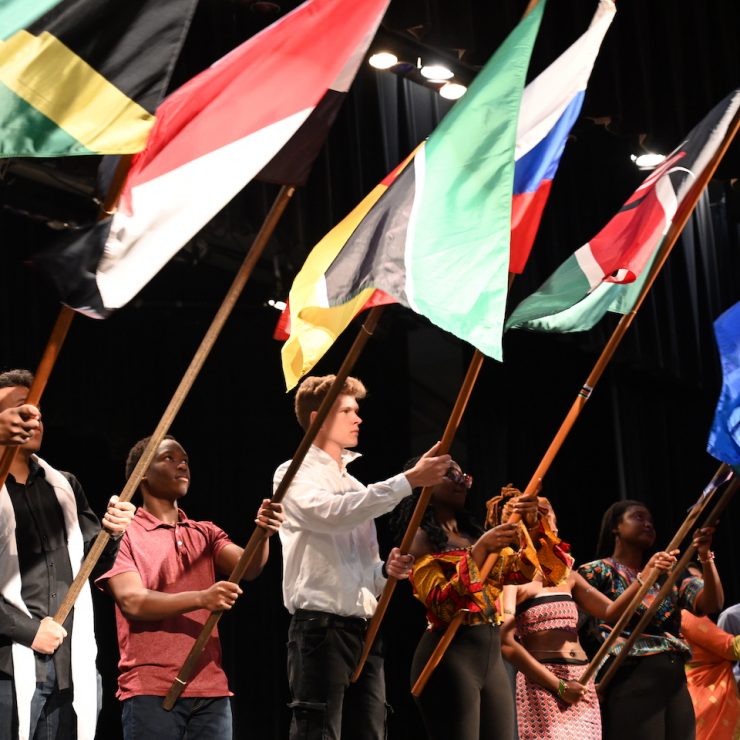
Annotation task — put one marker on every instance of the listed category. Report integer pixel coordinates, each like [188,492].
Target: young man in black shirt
[46,528]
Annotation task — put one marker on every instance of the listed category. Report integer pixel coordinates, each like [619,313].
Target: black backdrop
[642,435]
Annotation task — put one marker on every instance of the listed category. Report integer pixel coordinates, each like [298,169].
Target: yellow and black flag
[85,76]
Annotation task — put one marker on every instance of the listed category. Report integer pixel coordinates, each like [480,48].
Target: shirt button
[179,543]
[53,596]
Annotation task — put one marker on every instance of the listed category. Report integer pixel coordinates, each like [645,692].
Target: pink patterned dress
[540,714]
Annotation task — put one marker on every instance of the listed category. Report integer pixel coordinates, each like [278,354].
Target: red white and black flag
[211,137]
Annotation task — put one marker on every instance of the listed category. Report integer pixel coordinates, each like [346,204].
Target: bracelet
[638,578]
[562,688]
[708,559]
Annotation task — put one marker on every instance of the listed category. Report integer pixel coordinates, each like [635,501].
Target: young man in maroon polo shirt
[164,584]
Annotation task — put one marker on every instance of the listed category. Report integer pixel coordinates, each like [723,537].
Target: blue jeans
[204,718]
[52,716]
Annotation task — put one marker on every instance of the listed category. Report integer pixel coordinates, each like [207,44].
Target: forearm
[258,561]
[712,596]
[146,605]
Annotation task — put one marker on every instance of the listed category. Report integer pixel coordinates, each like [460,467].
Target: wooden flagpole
[678,569]
[250,260]
[258,535]
[63,322]
[453,425]
[722,475]
[677,225]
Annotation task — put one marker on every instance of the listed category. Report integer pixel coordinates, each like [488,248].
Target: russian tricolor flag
[550,106]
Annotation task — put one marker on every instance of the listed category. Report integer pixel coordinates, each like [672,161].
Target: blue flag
[724,437]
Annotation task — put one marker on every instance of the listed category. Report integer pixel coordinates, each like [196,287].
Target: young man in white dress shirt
[332,571]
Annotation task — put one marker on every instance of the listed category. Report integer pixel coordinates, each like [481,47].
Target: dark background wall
[643,434]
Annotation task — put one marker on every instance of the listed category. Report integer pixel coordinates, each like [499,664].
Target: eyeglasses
[459,478]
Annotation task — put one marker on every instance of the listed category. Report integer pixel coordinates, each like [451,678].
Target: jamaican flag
[84,76]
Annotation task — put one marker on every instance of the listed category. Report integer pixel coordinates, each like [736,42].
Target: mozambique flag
[212,136]
[85,76]
[437,237]
[607,273]
[724,437]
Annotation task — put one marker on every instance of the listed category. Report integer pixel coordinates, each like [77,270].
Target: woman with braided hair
[651,682]
[540,639]
[468,696]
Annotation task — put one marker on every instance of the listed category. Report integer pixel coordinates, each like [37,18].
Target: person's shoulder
[595,567]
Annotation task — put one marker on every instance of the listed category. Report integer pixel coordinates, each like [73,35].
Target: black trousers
[469,695]
[648,700]
[323,652]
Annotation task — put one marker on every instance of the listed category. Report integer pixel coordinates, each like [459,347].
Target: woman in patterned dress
[540,639]
[648,698]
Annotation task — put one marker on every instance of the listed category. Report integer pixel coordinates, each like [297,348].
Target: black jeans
[469,695]
[648,700]
[323,652]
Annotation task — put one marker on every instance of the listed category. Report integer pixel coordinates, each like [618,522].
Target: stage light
[647,160]
[436,72]
[452,90]
[279,305]
[383,60]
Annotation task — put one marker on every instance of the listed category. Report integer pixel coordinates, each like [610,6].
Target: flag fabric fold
[434,235]
[551,105]
[724,437]
[85,76]
[606,273]
[211,137]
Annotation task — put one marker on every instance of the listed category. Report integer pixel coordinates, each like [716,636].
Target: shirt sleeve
[16,625]
[729,620]
[312,507]
[124,563]
[688,592]
[597,576]
[447,584]
[217,538]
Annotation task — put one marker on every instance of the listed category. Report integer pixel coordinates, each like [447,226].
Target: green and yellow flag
[85,76]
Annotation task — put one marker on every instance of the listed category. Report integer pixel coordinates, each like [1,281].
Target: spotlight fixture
[279,305]
[436,72]
[647,160]
[452,90]
[383,60]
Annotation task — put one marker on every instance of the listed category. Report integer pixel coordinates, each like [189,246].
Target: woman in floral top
[648,698]
[469,695]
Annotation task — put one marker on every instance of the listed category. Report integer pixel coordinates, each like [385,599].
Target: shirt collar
[326,459]
[150,522]
[34,471]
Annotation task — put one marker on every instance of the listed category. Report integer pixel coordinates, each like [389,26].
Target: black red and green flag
[85,76]
[608,272]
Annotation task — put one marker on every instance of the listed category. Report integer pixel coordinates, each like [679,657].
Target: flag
[724,437]
[601,275]
[211,137]
[311,330]
[436,236]
[85,76]
[551,105]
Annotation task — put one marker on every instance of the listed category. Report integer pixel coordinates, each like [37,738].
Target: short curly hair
[135,453]
[313,390]
[17,377]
